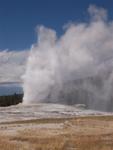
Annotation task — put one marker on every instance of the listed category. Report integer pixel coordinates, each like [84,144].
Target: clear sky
[19,18]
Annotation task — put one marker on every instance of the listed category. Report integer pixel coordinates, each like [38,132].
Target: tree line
[8,100]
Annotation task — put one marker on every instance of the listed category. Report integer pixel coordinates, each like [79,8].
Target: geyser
[75,68]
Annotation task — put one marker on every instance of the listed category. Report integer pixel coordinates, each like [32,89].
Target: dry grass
[81,133]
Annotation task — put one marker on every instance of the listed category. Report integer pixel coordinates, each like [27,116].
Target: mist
[75,68]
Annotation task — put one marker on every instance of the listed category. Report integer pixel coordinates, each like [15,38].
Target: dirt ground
[78,133]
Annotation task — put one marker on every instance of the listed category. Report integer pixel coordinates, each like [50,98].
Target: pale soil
[78,133]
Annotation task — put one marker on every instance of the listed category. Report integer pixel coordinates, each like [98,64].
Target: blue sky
[19,18]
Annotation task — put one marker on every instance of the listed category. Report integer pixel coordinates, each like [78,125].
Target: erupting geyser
[75,68]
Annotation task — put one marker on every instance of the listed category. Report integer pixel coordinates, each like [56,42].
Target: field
[89,132]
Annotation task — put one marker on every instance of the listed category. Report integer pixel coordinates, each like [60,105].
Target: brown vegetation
[80,133]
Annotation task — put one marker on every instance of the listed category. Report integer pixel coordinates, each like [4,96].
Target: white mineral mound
[43,110]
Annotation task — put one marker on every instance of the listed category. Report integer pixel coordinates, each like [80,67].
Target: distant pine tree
[11,99]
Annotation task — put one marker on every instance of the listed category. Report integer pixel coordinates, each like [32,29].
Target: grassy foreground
[79,133]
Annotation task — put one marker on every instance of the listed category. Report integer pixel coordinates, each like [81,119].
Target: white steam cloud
[85,51]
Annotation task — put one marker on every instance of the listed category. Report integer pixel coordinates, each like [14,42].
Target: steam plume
[81,60]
